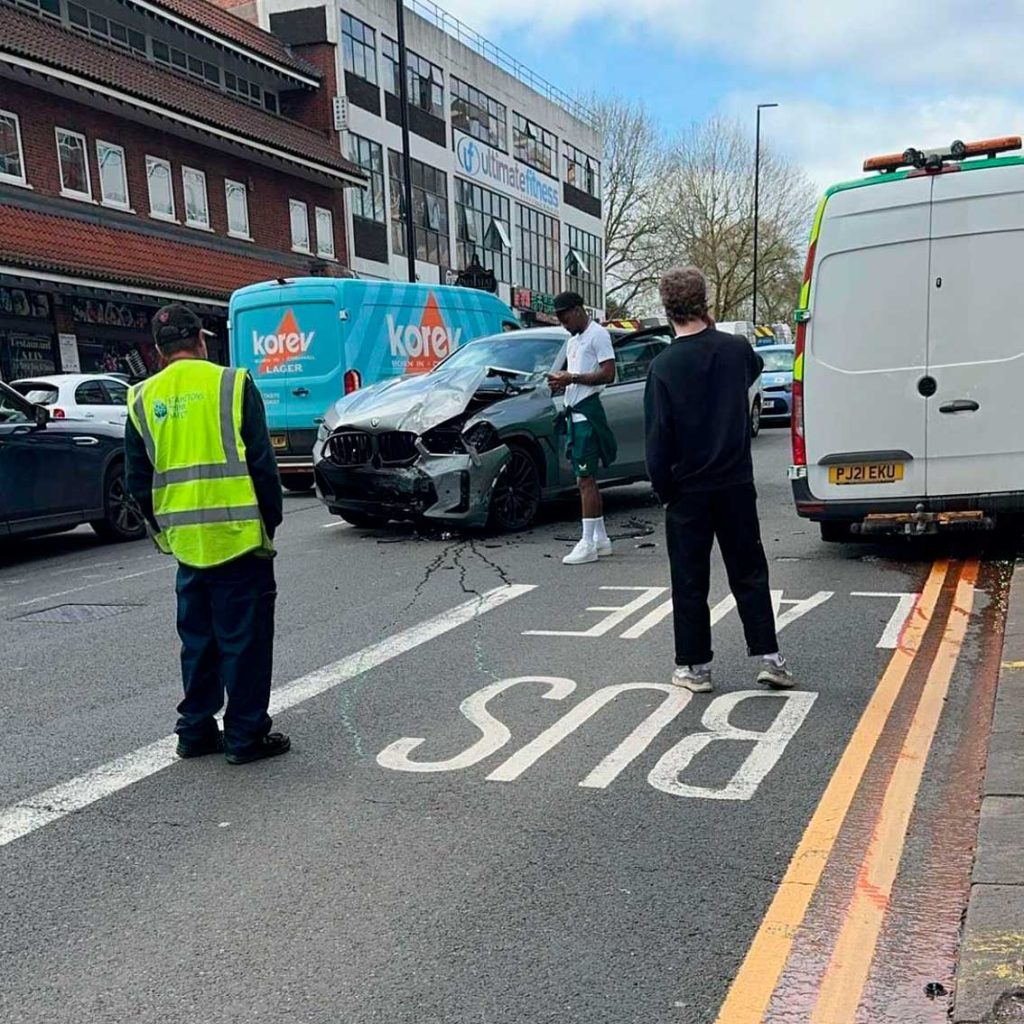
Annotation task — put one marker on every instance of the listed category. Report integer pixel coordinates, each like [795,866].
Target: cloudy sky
[851,79]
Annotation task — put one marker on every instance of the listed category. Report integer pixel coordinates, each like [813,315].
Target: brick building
[154,150]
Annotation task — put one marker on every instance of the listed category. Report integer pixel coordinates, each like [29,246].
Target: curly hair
[684,294]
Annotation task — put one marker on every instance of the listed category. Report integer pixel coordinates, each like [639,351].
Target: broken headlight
[482,437]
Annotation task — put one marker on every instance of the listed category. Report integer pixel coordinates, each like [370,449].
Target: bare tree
[634,172]
[705,210]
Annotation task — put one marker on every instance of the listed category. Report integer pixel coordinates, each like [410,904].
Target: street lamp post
[757,195]
[403,101]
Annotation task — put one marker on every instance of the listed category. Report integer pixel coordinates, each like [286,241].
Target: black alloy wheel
[515,499]
[122,520]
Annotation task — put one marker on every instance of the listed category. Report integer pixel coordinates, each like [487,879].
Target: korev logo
[282,351]
[416,348]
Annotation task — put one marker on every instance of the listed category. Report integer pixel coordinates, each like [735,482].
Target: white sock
[588,530]
[600,533]
[776,659]
[700,668]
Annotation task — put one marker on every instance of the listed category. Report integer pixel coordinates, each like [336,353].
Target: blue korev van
[308,341]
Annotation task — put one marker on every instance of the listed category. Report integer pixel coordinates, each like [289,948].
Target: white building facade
[505,168]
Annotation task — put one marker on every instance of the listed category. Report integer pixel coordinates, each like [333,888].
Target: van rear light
[57,413]
[353,381]
[797,415]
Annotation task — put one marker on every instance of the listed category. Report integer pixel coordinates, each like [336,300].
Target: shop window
[113,175]
[368,203]
[236,195]
[161,189]
[324,233]
[299,213]
[74,164]
[197,207]
[12,154]
[359,48]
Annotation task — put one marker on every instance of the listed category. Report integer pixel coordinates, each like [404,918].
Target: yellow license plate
[279,440]
[866,473]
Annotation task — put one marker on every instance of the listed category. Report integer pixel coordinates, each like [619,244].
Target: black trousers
[226,625]
[692,522]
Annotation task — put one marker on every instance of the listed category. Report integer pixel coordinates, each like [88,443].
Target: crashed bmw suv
[477,440]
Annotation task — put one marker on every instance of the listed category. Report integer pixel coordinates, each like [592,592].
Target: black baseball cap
[567,300]
[177,323]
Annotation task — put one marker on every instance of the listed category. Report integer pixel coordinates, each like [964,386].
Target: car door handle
[85,442]
[300,392]
[960,405]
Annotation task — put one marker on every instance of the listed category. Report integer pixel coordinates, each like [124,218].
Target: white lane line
[334,526]
[88,586]
[663,611]
[35,812]
[894,627]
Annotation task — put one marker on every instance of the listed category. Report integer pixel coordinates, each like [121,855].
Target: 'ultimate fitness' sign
[491,168]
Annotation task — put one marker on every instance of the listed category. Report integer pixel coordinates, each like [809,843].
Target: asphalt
[327,886]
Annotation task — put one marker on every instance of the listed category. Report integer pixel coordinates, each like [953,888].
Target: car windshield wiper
[507,376]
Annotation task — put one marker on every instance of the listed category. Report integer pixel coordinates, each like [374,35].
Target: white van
[909,372]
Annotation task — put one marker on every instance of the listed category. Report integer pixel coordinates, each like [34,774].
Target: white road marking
[334,526]
[35,812]
[618,614]
[768,745]
[797,609]
[88,586]
[894,627]
[663,611]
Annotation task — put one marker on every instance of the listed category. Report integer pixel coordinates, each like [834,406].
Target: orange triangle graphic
[431,318]
[288,325]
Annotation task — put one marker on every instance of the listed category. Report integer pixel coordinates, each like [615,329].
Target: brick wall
[268,190]
[315,109]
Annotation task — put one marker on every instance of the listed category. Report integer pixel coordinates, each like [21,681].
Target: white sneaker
[604,548]
[583,552]
[778,677]
[696,680]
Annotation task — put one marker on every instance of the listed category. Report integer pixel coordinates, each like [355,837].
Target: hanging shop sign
[477,276]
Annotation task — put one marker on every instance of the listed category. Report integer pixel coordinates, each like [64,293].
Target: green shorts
[582,449]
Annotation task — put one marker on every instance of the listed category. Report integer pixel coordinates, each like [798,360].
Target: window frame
[64,190]
[578,162]
[429,202]
[292,205]
[361,153]
[477,100]
[588,249]
[246,233]
[115,204]
[349,43]
[320,251]
[87,384]
[151,161]
[472,217]
[189,222]
[414,61]
[540,137]
[11,179]
[533,244]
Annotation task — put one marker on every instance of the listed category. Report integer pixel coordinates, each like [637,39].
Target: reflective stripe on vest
[203,497]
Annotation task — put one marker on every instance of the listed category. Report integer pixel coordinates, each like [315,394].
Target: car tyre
[298,482]
[361,520]
[833,532]
[515,499]
[122,519]
[755,418]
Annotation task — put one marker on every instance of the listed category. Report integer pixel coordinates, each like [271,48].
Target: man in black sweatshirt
[697,413]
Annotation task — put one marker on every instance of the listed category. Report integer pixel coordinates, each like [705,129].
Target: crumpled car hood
[416,403]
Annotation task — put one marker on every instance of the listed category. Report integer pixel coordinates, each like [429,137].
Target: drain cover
[64,614]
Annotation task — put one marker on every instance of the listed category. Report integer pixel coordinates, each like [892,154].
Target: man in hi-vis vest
[200,464]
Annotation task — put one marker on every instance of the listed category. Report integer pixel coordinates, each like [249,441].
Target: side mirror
[42,416]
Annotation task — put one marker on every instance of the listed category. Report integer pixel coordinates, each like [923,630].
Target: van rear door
[866,347]
[976,347]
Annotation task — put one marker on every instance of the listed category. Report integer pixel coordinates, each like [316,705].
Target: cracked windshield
[511,513]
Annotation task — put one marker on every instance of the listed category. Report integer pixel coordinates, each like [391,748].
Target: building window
[426,80]
[534,145]
[50,7]
[324,233]
[477,114]
[359,48]
[584,267]
[106,29]
[483,228]
[368,203]
[197,208]
[113,175]
[582,171]
[74,164]
[429,210]
[249,92]
[238,208]
[161,189]
[300,225]
[537,263]
[12,155]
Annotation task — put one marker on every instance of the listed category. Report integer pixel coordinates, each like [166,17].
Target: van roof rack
[933,159]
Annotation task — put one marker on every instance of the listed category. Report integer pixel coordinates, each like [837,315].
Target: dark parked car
[778,382]
[57,474]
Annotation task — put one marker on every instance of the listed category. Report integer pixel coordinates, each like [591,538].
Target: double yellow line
[844,979]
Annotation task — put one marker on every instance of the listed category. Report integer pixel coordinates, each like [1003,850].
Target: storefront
[535,309]
[28,336]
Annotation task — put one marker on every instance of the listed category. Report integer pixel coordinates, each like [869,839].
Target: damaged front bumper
[452,488]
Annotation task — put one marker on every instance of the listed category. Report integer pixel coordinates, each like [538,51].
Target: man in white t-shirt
[590,366]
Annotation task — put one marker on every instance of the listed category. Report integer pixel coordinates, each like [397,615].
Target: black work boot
[266,746]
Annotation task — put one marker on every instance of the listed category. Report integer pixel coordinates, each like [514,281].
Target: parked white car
[78,396]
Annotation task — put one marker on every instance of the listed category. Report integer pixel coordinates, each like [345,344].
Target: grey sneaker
[696,680]
[778,677]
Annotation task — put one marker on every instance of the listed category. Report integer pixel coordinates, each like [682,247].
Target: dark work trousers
[226,625]
[692,522]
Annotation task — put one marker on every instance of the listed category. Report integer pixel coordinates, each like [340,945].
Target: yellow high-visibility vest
[190,418]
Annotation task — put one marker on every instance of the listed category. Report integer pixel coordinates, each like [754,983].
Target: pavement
[990,974]
[496,808]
